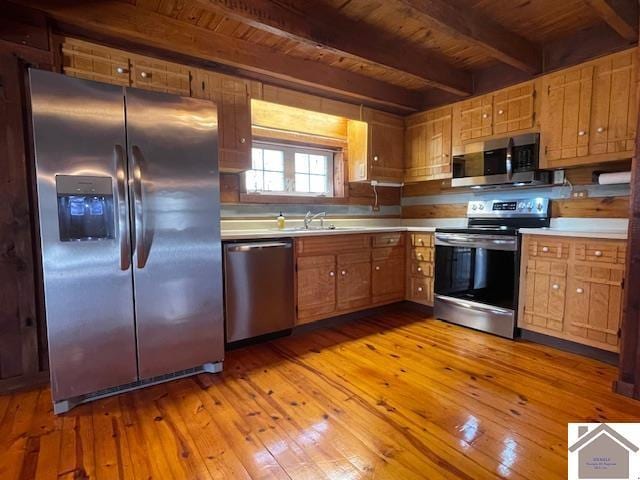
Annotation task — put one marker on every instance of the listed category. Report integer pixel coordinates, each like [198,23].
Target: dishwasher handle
[245,247]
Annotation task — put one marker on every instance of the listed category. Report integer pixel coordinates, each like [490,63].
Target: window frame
[289,151]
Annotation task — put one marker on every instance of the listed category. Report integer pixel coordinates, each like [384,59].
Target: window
[290,170]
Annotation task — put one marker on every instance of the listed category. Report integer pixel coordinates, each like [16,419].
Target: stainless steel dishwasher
[258,288]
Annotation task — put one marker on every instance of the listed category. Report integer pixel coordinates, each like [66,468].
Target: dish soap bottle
[280,221]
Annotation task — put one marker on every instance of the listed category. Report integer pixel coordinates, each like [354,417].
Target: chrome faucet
[308,218]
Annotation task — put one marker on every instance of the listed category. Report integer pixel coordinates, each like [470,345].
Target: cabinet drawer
[601,252]
[332,244]
[388,239]
[422,239]
[349,258]
[420,290]
[387,252]
[422,254]
[422,269]
[549,248]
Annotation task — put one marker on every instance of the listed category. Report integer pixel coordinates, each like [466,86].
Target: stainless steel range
[477,268]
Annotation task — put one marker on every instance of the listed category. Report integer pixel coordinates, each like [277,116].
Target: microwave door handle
[138,206]
[123,220]
[509,159]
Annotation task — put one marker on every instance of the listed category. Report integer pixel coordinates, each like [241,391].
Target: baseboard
[15,384]
[569,346]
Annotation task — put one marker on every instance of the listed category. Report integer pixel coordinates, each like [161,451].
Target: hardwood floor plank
[394,395]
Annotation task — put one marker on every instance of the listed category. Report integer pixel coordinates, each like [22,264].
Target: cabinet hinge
[296,268]
[619,332]
[548,89]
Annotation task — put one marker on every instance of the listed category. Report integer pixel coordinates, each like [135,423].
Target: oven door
[476,279]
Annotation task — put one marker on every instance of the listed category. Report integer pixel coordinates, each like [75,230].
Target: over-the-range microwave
[502,161]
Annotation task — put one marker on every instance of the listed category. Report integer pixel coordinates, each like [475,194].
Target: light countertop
[609,234]
[289,233]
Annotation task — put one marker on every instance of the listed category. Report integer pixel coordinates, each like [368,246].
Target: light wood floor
[391,396]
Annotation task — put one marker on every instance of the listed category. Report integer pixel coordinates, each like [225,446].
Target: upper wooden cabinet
[375,147]
[152,74]
[232,96]
[427,145]
[589,112]
[507,111]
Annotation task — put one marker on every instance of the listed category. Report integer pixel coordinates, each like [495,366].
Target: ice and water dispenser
[85,207]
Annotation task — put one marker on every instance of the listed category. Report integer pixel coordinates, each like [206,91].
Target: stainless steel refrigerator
[129,212]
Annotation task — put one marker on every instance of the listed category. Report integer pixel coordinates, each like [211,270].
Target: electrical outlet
[375,208]
[580,194]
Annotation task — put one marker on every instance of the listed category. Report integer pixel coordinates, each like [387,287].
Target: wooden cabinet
[427,147]
[338,274]
[316,287]
[504,112]
[420,257]
[93,62]
[354,280]
[589,112]
[572,288]
[375,147]
[160,76]
[232,96]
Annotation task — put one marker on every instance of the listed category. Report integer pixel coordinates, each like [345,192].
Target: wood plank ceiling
[400,54]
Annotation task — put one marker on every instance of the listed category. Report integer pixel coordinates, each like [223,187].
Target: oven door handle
[509,160]
[489,242]
[474,305]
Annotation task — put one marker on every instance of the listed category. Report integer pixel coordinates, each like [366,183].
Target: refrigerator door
[79,142]
[174,190]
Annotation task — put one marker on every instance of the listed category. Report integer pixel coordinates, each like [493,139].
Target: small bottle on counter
[280,221]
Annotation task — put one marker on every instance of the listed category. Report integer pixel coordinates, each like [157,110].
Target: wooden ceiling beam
[621,15]
[125,21]
[315,24]
[468,26]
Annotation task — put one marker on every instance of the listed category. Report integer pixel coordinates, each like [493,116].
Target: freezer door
[174,190]
[79,141]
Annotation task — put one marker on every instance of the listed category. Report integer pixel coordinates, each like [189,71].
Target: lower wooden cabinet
[339,274]
[572,288]
[420,257]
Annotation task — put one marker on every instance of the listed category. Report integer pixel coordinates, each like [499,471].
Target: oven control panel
[523,207]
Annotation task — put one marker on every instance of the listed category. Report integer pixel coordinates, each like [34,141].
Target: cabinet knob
[375,158]
[121,70]
[419,269]
[419,255]
[390,240]
[600,129]
[421,241]
[145,74]
[500,112]
[555,286]
[377,268]
[485,115]
[343,273]
[243,140]
[582,133]
[579,290]
[419,289]
[598,253]
[545,249]
[331,274]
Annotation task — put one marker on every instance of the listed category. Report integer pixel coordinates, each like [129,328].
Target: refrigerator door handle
[123,221]
[138,208]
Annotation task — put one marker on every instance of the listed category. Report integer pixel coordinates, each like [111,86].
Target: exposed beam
[321,26]
[621,15]
[468,26]
[125,21]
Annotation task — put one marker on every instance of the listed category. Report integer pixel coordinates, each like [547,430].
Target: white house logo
[601,450]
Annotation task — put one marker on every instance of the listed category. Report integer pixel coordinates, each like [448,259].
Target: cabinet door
[594,305]
[513,109]
[428,146]
[354,280]
[614,109]
[387,279]
[386,146]
[545,286]
[475,118]
[152,74]
[316,283]
[566,113]
[92,62]
[234,116]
